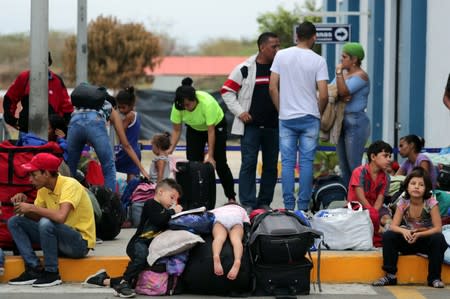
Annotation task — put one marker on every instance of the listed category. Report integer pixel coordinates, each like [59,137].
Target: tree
[228,47]
[282,21]
[117,53]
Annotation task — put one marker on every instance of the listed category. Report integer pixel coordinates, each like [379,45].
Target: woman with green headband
[353,87]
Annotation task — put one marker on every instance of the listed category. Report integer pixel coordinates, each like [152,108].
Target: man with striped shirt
[246,94]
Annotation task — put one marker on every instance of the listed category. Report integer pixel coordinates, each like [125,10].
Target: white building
[407,45]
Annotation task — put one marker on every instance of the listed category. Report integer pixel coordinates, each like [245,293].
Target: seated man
[61,221]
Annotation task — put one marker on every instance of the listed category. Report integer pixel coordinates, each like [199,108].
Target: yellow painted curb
[335,267]
[75,270]
[365,267]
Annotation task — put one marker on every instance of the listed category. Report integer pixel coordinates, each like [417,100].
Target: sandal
[385,281]
[437,283]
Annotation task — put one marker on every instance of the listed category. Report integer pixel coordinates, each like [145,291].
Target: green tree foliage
[117,53]
[15,54]
[228,47]
[282,21]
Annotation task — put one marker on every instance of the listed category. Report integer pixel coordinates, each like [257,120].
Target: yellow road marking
[405,292]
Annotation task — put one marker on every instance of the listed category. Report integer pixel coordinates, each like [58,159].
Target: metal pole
[38,101]
[82,51]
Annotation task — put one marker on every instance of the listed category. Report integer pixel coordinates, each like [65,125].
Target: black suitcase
[198,276]
[283,279]
[198,181]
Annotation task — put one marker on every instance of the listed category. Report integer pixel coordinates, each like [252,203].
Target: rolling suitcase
[198,181]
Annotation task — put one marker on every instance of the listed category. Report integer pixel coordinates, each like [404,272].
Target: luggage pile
[276,259]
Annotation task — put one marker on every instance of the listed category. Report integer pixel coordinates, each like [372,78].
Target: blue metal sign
[330,33]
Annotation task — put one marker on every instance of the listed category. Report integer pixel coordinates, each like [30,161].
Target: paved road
[347,291]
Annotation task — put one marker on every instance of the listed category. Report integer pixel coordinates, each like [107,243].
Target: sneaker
[95,280]
[123,290]
[385,281]
[437,283]
[29,276]
[47,279]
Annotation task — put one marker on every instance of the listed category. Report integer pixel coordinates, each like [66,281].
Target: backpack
[280,237]
[326,190]
[95,205]
[443,197]
[129,189]
[88,96]
[279,241]
[162,277]
[444,178]
[112,213]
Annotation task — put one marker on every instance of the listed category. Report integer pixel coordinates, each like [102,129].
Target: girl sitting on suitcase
[229,221]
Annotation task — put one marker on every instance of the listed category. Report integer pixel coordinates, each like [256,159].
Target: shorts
[229,220]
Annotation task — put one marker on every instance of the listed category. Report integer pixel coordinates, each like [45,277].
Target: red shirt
[58,98]
[361,178]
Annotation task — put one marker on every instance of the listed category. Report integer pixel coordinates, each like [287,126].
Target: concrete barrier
[335,267]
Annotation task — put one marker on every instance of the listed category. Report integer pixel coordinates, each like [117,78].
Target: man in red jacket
[19,92]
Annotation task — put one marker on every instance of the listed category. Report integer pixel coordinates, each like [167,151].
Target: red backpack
[14,180]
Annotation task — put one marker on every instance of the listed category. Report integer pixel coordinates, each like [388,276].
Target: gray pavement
[347,291]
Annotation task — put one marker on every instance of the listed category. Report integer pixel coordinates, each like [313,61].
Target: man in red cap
[61,221]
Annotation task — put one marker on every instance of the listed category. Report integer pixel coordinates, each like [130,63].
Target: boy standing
[369,183]
[155,217]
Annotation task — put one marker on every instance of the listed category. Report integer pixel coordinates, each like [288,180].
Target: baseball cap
[42,161]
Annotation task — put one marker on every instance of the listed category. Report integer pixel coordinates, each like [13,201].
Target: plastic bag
[345,228]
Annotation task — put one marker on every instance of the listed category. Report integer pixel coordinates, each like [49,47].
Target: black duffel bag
[89,96]
[444,178]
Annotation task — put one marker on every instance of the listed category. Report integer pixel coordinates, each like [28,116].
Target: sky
[190,22]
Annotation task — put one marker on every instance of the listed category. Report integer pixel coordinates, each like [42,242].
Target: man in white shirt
[297,72]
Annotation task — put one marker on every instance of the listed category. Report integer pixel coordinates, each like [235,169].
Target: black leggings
[195,151]
[434,246]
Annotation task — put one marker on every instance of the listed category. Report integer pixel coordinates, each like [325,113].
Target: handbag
[329,115]
[345,228]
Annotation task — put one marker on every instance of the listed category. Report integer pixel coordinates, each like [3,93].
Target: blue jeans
[298,136]
[53,238]
[350,148]
[89,127]
[256,138]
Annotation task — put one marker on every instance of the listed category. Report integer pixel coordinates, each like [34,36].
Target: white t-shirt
[299,70]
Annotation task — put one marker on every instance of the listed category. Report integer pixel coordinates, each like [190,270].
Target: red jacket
[58,99]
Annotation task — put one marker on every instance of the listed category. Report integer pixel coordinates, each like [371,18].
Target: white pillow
[171,242]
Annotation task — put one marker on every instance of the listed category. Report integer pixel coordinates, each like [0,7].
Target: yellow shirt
[81,217]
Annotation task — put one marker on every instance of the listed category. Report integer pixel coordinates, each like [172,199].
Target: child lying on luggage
[229,221]
[155,218]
